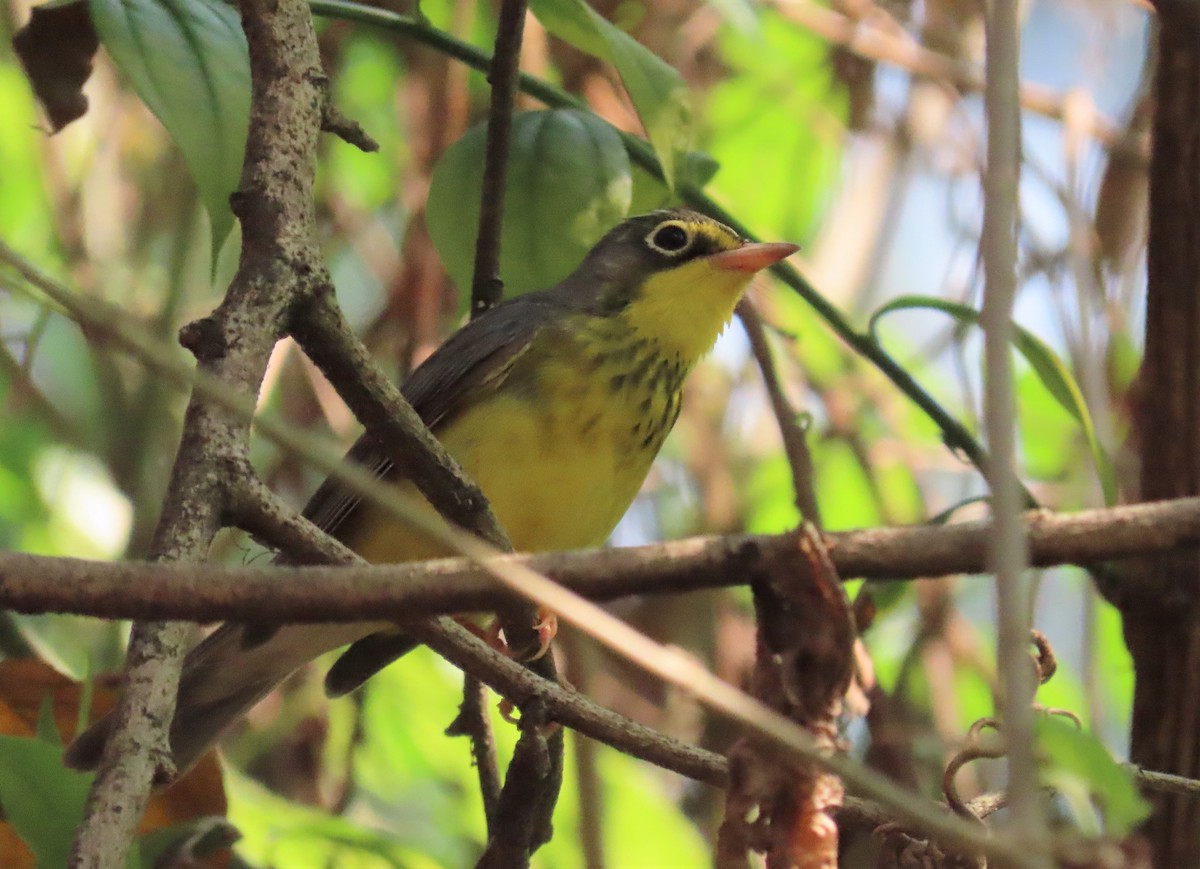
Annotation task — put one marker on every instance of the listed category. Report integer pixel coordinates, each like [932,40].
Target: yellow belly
[559,470]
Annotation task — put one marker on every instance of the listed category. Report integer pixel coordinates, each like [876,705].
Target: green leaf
[1078,766]
[187,60]
[1049,367]
[569,182]
[277,832]
[845,491]
[699,167]
[658,91]
[42,799]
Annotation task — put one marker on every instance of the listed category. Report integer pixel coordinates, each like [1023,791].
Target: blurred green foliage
[87,438]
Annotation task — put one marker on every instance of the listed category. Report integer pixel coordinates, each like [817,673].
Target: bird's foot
[547,628]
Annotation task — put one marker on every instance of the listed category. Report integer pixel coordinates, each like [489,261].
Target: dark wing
[479,351]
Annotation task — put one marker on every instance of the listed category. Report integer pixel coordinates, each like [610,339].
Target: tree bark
[1162,620]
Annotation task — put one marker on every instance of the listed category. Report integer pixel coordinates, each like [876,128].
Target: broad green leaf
[42,799]
[1102,795]
[1049,436]
[1050,369]
[658,91]
[187,60]
[699,167]
[568,183]
[649,194]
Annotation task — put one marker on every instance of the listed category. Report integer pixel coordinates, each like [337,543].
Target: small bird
[555,403]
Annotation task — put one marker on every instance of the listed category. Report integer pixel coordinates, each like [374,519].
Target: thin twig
[1164,781]
[591,801]
[795,442]
[526,803]
[25,392]
[473,722]
[486,287]
[521,824]
[1009,549]
[346,129]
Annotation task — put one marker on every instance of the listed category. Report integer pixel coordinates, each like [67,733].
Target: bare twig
[474,723]
[534,775]
[1009,550]
[1164,781]
[203,593]
[25,392]
[486,288]
[795,441]
[591,801]
[346,129]
[523,816]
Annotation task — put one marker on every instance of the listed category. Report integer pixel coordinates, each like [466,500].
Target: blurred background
[853,128]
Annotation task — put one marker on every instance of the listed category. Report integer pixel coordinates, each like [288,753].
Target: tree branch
[473,722]
[40,584]
[795,444]
[1008,546]
[486,287]
[274,205]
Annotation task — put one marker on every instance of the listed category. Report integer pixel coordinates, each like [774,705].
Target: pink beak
[753,256]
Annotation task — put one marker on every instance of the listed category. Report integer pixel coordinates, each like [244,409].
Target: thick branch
[274,204]
[38,584]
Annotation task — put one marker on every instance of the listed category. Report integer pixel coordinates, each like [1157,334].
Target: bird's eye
[669,238]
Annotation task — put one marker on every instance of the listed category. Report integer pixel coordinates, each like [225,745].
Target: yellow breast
[561,450]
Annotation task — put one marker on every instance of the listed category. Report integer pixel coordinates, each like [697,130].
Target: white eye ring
[670,238]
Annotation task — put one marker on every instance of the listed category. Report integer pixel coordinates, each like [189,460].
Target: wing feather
[478,356]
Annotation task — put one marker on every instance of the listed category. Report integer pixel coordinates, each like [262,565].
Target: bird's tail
[222,678]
